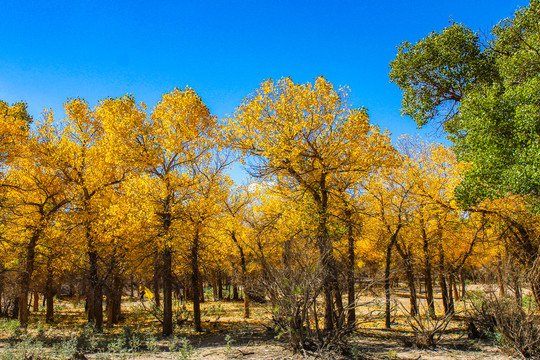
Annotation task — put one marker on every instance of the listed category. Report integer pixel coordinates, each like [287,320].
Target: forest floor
[227,335]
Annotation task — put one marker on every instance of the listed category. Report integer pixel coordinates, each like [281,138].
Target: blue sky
[93,49]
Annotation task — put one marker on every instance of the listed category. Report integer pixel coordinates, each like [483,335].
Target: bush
[12,328]
[513,327]
[427,329]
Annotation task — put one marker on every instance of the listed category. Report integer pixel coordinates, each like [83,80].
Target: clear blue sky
[93,49]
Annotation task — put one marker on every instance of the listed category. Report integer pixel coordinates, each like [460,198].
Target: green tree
[438,71]
[499,125]
[487,98]
[494,119]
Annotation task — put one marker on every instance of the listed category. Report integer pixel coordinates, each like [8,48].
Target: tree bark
[201,289]
[463,285]
[409,273]
[156,280]
[351,315]
[195,281]
[454,287]
[1,295]
[25,277]
[114,301]
[427,274]
[214,285]
[109,309]
[220,285]
[97,291]
[49,293]
[328,265]
[243,266]
[167,291]
[36,301]
[450,292]
[442,281]
[393,240]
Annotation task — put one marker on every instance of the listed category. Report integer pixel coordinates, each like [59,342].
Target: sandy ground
[251,342]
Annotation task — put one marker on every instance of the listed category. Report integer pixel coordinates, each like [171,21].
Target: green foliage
[229,341]
[181,348]
[528,302]
[151,342]
[500,123]
[489,100]
[11,327]
[437,71]
[27,348]
[67,348]
[117,345]
[133,340]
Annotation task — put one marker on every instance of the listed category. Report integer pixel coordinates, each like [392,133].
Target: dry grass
[227,335]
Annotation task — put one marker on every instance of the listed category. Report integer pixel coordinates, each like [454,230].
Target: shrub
[427,329]
[514,327]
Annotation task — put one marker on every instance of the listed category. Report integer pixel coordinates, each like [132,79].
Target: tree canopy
[486,95]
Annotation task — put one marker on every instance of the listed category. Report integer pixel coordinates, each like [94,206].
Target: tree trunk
[109,309]
[156,280]
[328,267]
[444,292]
[36,301]
[517,289]
[409,274]
[16,306]
[243,267]
[442,280]
[351,315]
[463,285]
[49,294]
[454,287]
[393,240]
[427,274]
[114,301]
[201,289]
[214,285]
[1,295]
[24,281]
[450,293]
[195,281]
[220,285]
[167,291]
[412,287]
[96,289]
